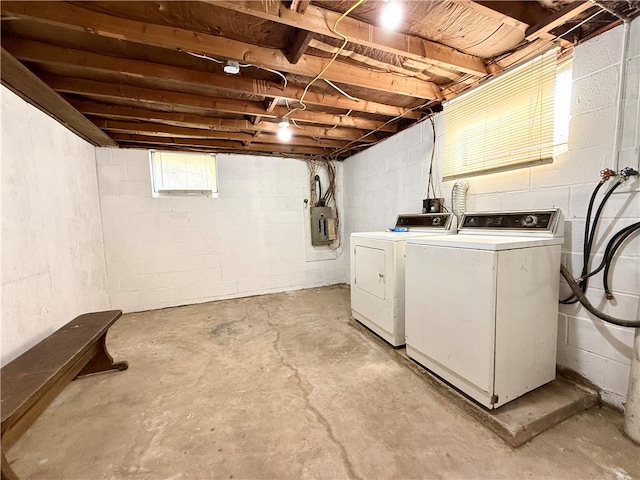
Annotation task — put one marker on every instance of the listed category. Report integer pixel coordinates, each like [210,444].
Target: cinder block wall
[253,239]
[391,178]
[52,251]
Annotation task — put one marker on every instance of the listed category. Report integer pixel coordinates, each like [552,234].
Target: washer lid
[485,242]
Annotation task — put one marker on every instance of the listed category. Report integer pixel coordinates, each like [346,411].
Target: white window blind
[506,122]
[183,173]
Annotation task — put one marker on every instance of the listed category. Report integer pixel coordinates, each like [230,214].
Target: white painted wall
[52,251]
[251,240]
[391,177]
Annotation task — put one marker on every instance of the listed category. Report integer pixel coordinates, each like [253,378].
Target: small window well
[175,173]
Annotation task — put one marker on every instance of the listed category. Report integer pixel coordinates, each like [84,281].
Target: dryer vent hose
[459,198]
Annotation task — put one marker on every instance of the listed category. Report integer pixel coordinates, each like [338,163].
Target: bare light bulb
[284,134]
[391,15]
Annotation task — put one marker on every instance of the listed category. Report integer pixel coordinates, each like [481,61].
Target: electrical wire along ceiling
[223,76]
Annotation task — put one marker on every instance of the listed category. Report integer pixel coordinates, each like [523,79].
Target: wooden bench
[34,379]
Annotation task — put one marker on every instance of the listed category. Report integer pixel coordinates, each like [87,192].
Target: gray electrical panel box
[323,226]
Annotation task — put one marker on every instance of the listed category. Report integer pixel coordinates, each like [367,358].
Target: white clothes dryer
[482,306]
[377,272]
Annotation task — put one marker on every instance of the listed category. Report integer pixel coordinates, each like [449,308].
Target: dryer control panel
[540,221]
[424,220]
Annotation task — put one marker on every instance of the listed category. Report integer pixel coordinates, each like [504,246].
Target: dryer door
[370,270]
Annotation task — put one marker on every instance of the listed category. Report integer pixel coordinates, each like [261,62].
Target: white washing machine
[377,272]
[482,306]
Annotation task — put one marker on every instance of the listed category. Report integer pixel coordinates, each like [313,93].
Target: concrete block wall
[387,179]
[52,248]
[390,178]
[252,239]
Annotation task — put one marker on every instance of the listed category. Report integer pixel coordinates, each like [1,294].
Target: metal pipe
[622,87]
[632,406]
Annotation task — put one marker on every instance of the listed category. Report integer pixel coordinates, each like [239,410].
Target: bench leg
[102,361]
[7,471]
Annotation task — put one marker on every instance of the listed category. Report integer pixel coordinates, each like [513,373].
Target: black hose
[612,246]
[589,235]
[605,275]
[585,246]
[575,288]
[597,217]
[587,223]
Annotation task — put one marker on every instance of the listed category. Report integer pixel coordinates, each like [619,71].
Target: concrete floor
[278,387]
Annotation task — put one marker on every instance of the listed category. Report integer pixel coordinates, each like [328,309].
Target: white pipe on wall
[632,407]
[622,87]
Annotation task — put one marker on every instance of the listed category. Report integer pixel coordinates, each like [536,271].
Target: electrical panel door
[323,226]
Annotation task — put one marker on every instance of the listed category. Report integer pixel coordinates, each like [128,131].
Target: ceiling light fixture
[232,67]
[284,122]
[391,15]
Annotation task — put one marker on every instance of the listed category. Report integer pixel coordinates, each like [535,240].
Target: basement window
[509,122]
[177,173]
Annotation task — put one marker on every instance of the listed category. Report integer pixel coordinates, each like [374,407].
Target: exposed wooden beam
[382,66]
[556,19]
[17,78]
[529,51]
[273,103]
[98,109]
[300,6]
[268,107]
[257,120]
[522,15]
[158,130]
[109,91]
[321,21]
[119,112]
[298,46]
[39,52]
[219,145]
[81,19]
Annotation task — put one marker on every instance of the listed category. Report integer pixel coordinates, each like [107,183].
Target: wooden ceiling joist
[17,78]
[39,52]
[75,17]
[158,130]
[298,46]
[528,16]
[150,74]
[118,112]
[108,91]
[557,19]
[217,145]
[299,6]
[319,20]
[377,64]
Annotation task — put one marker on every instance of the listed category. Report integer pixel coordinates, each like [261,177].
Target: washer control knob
[436,221]
[530,221]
